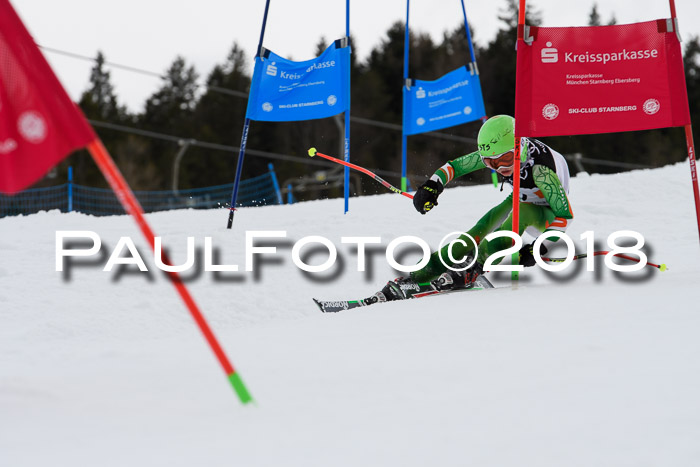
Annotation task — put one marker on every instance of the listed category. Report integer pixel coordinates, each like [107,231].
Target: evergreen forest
[189,130]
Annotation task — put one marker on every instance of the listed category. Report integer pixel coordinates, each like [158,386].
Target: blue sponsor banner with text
[284,91]
[448,101]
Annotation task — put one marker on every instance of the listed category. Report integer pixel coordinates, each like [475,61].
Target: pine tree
[594,17]
[172,106]
[220,114]
[691,62]
[219,118]
[170,110]
[99,101]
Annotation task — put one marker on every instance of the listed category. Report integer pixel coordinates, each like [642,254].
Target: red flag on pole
[39,124]
[601,79]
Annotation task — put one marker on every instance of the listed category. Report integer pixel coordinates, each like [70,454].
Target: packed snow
[574,368]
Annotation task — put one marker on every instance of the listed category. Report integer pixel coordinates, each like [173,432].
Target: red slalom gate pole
[515,224]
[672,4]
[132,206]
[689,141]
[693,171]
[313,152]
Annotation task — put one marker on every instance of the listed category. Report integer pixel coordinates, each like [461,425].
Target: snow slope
[569,369]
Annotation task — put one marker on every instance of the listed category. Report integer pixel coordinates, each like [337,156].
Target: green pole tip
[662,267]
[240,388]
[312,152]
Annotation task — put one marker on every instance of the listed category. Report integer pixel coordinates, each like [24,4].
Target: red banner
[39,124]
[603,79]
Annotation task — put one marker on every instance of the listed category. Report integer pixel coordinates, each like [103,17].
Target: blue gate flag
[450,100]
[285,91]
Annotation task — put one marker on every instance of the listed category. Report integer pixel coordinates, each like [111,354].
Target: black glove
[527,257]
[426,197]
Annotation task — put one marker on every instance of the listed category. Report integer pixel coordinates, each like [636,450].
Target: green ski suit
[544,204]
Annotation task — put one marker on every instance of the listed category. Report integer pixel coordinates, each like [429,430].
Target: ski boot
[399,289]
[376,298]
[463,279]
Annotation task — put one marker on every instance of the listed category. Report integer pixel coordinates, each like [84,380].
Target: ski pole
[661,267]
[313,152]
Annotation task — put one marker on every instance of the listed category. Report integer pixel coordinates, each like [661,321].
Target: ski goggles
[499,160]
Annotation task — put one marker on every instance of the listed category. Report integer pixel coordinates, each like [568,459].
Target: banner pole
[132,207]
[693,171]
[70,188]
[469,34]
[239,171]
[521,13]
[690,144]
[516,156]
[347,119]
[262,29]
[246,127]
[404,137]
[673,8]
[347,159]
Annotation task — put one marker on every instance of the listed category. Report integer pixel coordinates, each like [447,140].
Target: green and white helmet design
[496,136]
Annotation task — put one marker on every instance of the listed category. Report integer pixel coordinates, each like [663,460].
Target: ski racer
[544,206]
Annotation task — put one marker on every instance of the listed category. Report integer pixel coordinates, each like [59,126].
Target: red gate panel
[600,79]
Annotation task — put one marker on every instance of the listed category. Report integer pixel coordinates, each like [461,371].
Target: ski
[427,289]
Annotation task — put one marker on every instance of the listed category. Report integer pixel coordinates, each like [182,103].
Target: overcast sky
[149,34]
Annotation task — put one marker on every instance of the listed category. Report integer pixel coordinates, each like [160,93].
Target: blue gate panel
[284,91]
[451,100]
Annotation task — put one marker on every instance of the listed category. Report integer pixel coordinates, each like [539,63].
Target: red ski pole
[313,152]
[661,267]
